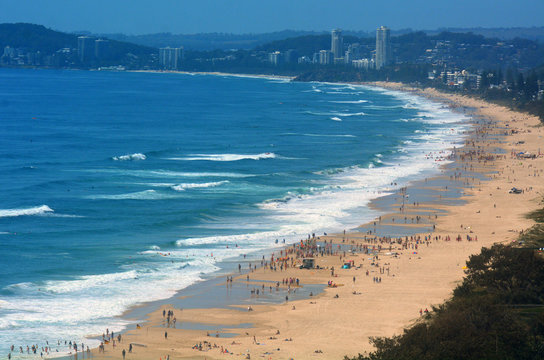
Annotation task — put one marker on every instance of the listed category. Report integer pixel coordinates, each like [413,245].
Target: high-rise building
[337,44]
[383,47]
[325,57]
[170,58]
[274,58]
[85,48]
[363,63]
[348,57]
[355,50]
[101,49]
[291,56]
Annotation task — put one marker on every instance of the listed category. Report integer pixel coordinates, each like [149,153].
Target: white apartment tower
[170,58]
[383,47]
[337,44]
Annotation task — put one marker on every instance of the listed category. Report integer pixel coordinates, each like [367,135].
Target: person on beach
[124,354]
[165,335]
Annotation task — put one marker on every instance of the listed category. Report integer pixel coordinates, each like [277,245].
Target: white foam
[383,107]
[336,114]
[350,102]
[330,135]
[240,239]
[323,135]
[336,118]
[139,195]
[73,308]
[432,112]
[86,282]
[167,173]
[33,211]
[130,157]
[157,184]
[349,189]
[342,203]
[278,80]
[225,157]
[183,187]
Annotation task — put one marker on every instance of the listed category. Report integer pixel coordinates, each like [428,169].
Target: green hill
[39,38]
[35,38]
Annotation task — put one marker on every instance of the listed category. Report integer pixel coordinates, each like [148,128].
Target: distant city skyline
[249,16]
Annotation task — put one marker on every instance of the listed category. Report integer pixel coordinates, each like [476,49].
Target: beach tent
[308,263]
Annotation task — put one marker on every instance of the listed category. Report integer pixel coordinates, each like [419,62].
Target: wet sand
[469,199]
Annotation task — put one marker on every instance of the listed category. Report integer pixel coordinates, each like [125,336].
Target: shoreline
[269,312]
[213,277]
[433,95]
[215,73]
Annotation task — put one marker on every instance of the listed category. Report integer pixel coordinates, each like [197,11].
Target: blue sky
[257,16]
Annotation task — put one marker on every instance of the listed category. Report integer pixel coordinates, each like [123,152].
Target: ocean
[120,188]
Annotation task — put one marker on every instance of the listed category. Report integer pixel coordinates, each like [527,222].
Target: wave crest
[37,210]
[140,195]
[226,157]
[130,157]
[183,187]
[350,102]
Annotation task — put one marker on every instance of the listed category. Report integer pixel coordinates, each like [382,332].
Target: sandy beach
[392,280]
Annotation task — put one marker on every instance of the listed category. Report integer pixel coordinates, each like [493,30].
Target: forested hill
[39,38]
[308,44]
[226,41]
[35,37]
[209,41]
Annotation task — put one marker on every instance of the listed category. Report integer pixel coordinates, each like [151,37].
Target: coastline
[214,73]
[382,309]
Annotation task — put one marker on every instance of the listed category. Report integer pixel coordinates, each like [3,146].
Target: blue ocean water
[122,188]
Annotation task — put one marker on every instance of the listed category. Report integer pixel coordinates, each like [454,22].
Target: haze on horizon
[253,16]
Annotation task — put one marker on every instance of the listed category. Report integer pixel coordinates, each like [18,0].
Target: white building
[170,58]
[85,48]
[325,57]
[383,47]
[274,57]
[337,44]
[363,64]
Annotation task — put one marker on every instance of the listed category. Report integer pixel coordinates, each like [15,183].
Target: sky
[259,16]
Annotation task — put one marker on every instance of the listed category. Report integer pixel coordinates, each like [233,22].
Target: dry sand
[340,320]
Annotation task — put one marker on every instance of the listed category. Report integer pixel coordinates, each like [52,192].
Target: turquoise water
[121,188]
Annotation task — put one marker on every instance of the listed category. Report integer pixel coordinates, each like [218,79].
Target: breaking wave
[225,157]
[130,157]
[183,187]
[37,210]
